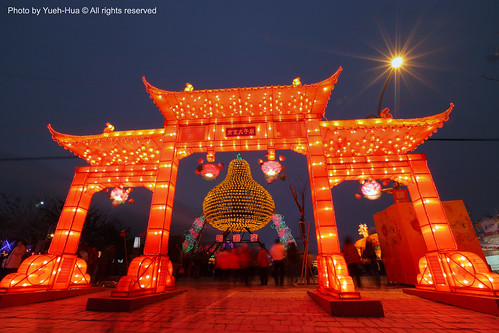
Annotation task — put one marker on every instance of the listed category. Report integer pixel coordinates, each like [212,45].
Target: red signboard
[400,196]
[240,131]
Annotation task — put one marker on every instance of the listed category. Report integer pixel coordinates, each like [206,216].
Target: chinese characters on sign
[400,196]
[240,131]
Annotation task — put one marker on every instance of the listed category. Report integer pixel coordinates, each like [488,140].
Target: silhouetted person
[233,265]
[244,264]
[352,258]
[105,262]
[278,253]
[222,264]
[292,262]
[3,256]
[13,261]
[263,263]
[93,255]
[369,255]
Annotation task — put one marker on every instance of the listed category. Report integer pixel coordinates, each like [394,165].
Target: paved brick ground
[213,307]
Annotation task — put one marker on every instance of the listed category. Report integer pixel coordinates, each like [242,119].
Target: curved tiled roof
[244,104]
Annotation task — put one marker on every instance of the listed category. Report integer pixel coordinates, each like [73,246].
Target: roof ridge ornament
[109,128]
[386,114]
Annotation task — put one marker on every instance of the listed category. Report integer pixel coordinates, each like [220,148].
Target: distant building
[488,235]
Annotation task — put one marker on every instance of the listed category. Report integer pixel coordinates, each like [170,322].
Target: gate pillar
[333,273]
[444,267]
[60,268]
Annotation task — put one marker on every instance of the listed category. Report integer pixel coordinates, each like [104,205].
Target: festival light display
[238,202]
[7,246]
[119,195]
[285,235]
[192,237]
[363,230]
[360,244]
[268,118]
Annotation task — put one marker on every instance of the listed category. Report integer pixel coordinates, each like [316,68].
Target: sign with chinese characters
[254,237]
[400,196]
[240,131]
[236,238]
[219,238]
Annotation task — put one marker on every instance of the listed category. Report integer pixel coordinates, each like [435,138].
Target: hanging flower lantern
[120,196]
[208,171]
[271,169]
[371,189]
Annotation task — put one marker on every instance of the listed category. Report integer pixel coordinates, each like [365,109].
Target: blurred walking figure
[352,258]
[13,261]
[93,256]
[278,253]
[369,255]
[292,262]
[263,263]
[222,264]
[245,264]
[233,265]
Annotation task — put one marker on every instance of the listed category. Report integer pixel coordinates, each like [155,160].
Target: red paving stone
[213,307]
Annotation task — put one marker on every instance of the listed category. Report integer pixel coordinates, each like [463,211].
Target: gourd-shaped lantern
[238,202]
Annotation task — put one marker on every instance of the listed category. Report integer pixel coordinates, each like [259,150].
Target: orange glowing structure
[261,118]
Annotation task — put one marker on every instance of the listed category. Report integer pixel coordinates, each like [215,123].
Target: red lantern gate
[260,118]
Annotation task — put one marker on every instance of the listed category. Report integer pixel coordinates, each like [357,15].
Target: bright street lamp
[396,63]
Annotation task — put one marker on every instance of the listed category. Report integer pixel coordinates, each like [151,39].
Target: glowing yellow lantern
[238,202]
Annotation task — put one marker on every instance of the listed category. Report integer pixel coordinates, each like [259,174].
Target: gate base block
[484,304]
[128,304]
[348,307]
[29,297]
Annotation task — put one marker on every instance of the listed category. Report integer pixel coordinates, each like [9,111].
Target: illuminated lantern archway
[266,119]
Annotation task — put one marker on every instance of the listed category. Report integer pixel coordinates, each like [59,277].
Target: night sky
[78,72]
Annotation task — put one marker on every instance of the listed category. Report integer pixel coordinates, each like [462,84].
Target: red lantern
[209,171]
[371,189]
[119,195]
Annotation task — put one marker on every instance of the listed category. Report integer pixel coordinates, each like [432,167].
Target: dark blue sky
[78,72]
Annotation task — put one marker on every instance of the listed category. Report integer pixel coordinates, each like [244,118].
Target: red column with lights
[153,271]
[60,268]
[333,273]
[444,267]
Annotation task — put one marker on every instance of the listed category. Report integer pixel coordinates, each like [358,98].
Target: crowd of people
[238,264]
[242,264]
[100,264]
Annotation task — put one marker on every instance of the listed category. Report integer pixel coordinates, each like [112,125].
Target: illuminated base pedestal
[23,298]
[128,304]
[348,307]
[484,304]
